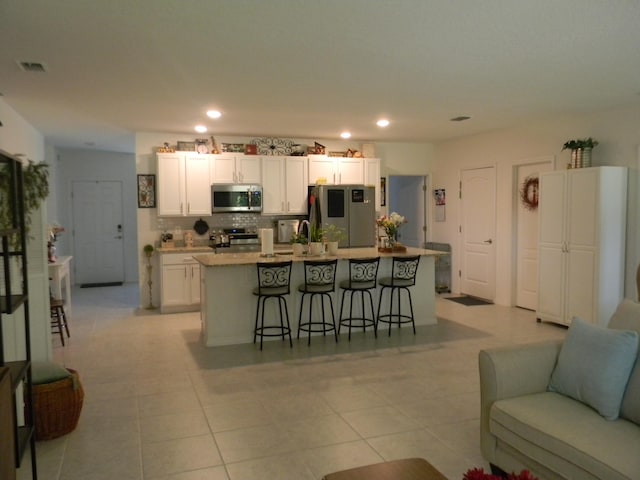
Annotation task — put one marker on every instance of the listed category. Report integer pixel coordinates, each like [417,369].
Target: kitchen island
[227,308]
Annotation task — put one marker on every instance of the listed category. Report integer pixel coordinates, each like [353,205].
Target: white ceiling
[312,68]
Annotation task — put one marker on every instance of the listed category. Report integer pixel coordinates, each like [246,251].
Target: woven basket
[57,406]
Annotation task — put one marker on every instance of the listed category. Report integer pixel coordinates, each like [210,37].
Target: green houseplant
[580,151]
[35,178]
[333,235]
[315,240]
[298,241]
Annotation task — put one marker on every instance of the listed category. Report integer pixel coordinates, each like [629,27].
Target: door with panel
[477,232]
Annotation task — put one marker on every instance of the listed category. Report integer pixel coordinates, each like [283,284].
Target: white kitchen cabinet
[372,177]
[183,184]
[235,168]
[336,170]
[581,244]
[179,283]
[284,185]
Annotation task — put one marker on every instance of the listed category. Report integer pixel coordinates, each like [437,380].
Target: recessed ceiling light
[201,128]
[461,118]
[383,122]
[214,114]
[345,135]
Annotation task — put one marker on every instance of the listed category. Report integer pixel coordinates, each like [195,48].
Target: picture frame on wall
[383,191]
[146,191]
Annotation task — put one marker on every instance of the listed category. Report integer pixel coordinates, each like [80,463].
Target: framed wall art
[383,191]
[146,191]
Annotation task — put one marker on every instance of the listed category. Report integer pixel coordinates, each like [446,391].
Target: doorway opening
[408,197]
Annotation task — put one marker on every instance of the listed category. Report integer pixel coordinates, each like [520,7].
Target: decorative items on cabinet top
[262,146]
[580,151]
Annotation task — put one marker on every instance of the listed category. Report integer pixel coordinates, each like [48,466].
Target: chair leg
[344,293]
[333,318]
[57,321]
[413,321]
[373,313]
[286,311]
[255,327]
[64,321]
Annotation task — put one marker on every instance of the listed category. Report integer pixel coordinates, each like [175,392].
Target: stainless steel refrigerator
[349,207]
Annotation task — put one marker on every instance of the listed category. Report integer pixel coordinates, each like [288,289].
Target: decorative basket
[57,406]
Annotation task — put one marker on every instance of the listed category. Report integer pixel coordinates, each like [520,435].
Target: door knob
[488,241]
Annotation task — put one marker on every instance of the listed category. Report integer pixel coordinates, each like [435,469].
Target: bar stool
[319,279]
[273,283]
[403,276]
[363,273]
[58,318]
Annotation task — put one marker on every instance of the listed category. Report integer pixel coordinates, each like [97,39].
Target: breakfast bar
[228,306]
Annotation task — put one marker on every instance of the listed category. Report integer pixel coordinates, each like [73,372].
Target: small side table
[407,469]
[59,272]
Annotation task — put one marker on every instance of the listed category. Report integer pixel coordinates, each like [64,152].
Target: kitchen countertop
[227,259]
[183,249]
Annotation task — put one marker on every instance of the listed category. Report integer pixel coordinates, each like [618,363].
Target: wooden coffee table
[407,469]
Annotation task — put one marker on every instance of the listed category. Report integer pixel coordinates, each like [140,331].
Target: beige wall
[618,131]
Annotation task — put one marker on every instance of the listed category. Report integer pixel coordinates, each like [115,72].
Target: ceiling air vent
[461,118]
[32,66]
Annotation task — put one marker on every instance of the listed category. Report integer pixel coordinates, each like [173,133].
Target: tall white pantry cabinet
[581,247]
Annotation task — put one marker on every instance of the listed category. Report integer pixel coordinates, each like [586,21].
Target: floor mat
[469,301]
[105,284]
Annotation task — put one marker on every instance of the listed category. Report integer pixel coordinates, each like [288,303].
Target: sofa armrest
[507,372]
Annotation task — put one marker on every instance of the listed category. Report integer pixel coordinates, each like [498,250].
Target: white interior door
[527,238]
[478,202]
[98,237]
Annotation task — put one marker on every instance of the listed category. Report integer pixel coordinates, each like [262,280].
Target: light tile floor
[159,405]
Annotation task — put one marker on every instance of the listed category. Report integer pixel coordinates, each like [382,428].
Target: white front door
[477,263]
[527,235]
[98,237]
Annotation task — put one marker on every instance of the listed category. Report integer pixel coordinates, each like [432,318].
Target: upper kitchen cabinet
[284,185]
[183,184]
[336,170]
[234,168]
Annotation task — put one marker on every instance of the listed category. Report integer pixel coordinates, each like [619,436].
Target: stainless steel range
[234,240]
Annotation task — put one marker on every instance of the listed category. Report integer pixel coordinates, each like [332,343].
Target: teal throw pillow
[594,365]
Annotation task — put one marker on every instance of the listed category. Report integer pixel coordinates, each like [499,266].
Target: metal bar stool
[363,273]
[319,279]
[403,276]
[273,283]
[58,318]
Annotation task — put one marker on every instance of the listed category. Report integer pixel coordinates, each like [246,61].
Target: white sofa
[524,425]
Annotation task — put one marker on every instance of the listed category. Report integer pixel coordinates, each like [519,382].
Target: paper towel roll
[266,238]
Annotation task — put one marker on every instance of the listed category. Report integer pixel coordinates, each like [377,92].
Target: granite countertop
[228,259]
[183,249]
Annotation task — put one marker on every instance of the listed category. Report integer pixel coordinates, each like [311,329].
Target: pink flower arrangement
[479,474]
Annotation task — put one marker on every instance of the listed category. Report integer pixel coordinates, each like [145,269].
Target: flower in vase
[391,224]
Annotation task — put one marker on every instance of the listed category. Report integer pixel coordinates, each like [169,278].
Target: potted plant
[35,177]
[298,241]
[315,240]
[580,151]
[333,235]
[148,252]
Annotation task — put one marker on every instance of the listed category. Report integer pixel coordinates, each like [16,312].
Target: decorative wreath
[529,192]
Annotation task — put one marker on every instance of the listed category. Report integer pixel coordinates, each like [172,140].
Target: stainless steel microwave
[233,197]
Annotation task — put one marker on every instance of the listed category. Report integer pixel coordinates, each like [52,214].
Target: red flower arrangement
[479,474]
